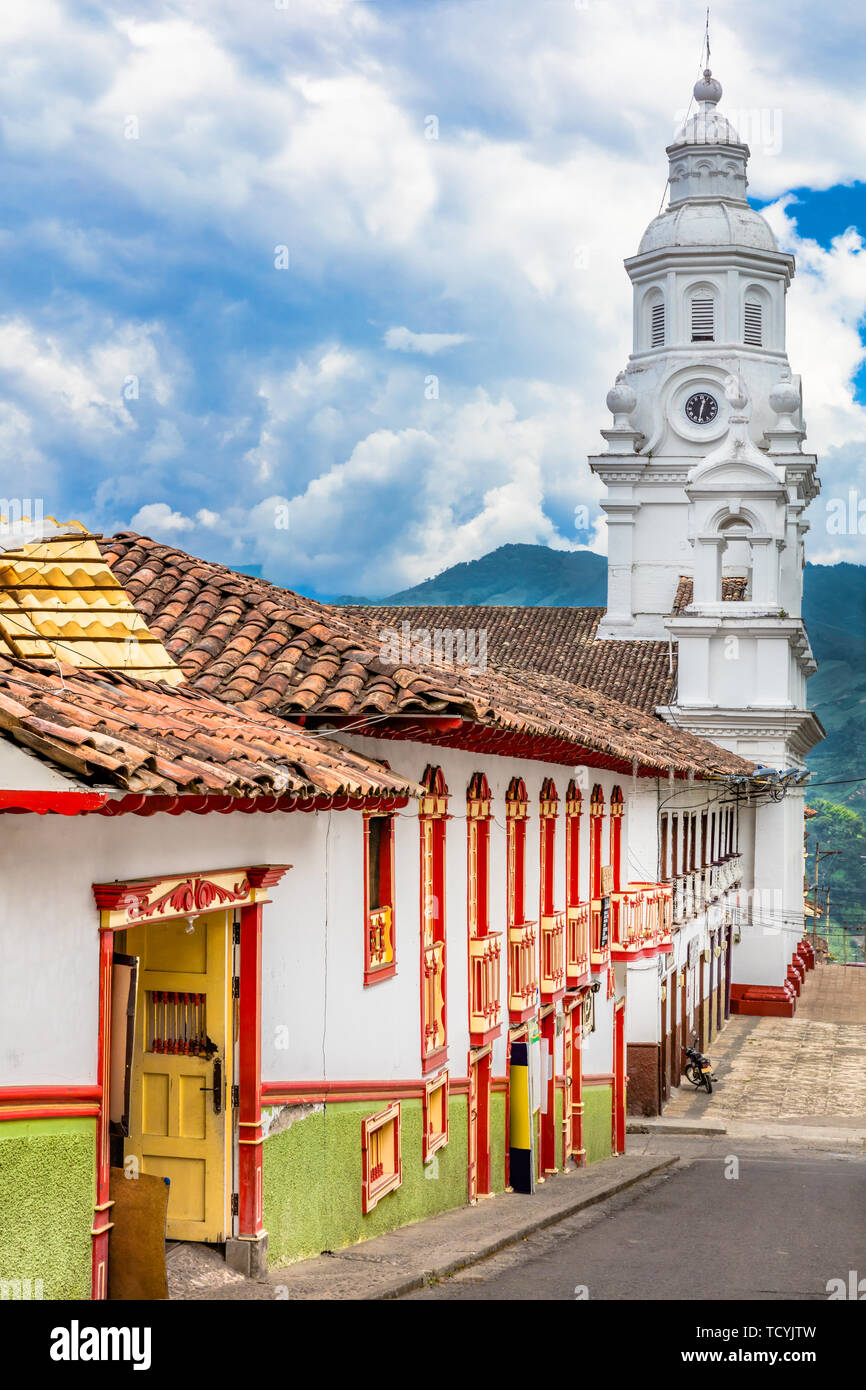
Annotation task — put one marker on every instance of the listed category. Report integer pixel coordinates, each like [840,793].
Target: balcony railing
[688,895]
[577,945]
[731,871]
[552,982]
[485,1009]
[641,917]
[433,994]
[522,971]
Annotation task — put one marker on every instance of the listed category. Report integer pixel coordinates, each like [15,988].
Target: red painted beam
[57,803]
[36,1095]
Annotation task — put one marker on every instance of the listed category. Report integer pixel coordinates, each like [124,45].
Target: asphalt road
[781,1229]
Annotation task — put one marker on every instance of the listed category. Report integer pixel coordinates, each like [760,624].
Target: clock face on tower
[701,408]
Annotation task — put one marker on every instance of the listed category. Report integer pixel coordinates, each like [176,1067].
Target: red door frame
[548,1119]
[480,1160]
[619,1079]
[573,1146]
[112,896]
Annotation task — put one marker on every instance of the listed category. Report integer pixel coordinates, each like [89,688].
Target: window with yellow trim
[382,1169]
[436,1093]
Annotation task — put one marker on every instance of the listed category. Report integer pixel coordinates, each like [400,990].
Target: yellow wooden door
[181,1075]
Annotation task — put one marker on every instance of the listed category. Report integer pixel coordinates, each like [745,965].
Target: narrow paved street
[807,1069]
[773,1207]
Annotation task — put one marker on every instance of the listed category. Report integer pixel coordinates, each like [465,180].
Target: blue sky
[456,185]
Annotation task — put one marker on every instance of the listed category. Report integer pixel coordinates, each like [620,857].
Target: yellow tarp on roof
[59,600]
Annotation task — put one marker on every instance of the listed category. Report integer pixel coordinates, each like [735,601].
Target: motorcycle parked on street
[699,1068]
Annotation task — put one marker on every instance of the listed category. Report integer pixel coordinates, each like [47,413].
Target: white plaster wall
[598,1045]
[642,1013]
[312,989]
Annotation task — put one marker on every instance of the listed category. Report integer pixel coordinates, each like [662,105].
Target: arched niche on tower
[757,319]
[702,314]
[654,328]
[737,542]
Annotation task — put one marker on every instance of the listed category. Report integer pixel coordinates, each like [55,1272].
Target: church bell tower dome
[709,284]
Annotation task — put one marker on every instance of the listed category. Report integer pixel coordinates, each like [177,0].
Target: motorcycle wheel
[707,1080]
[693,1075]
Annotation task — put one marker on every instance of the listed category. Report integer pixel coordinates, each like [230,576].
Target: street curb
[420,1281]
[674,1127]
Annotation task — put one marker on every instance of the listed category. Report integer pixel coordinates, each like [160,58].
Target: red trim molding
[149,804]
[57,803]
[49,1102]
[318,1092]
[33,1095]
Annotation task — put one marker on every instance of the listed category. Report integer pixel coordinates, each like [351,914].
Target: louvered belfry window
[657,325]
[702,319]
[753,333]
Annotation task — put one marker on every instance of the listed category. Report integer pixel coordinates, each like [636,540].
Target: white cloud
[404,340]
[306,126]
[158,519]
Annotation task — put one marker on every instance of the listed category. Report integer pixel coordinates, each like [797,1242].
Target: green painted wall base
[312,1170]
[47,1185]
[597,1110]
[312,1177]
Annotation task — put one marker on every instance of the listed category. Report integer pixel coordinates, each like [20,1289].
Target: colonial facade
[326,972]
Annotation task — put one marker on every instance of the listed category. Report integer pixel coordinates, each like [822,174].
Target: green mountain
[523,575]
[834,608]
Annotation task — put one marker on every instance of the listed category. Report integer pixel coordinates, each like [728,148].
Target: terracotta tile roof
[246,640]
[553,641]
[59,599]
[532,702]
[113,730]
[733,590]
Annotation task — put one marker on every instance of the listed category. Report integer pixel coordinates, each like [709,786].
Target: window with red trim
[432,820]
[573,810]
[596,819]
[483,946]
[516,813]
[478,854]
[549,808]
[380,941]
[522,935]
[616,810]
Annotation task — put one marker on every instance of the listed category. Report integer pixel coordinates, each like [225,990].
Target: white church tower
[706,480]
